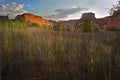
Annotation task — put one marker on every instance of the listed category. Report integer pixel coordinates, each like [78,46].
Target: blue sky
[56,9]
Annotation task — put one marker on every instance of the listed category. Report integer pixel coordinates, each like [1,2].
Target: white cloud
[12,9]
[64,13]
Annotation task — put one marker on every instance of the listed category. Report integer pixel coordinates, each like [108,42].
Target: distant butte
[4,17]
[104,22]
[101,22]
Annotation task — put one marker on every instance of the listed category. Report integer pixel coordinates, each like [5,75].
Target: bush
[115,9]
[58,27]
[69,28]
[115,58]
[13,24]
[113,28]
[86,26]
[35,24]
[18,24]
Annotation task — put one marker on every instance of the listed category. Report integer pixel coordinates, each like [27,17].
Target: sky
[56,9]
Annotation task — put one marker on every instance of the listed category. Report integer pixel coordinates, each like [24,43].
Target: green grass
[39,54]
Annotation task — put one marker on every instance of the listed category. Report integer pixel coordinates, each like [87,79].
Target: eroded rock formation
[4,17]
[101,22]
[106,22]
[109,21]
[88,16]
[31,18]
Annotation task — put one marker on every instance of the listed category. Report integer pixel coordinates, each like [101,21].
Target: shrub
[68,29]
[115,58]
[86,26]
[13,24]
[113,28]
[18,24]
[115,9]
[58,27]
[35,24]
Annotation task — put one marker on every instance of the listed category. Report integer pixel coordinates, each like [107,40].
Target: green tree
[86,26]
[58,27]
[115,10]
[35,24]
[113,28]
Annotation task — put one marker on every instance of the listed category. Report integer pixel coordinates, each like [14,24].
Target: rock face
[88,16]
[68,23]
[30,19]
[109,21]
[4,17]
[106,22]
[101,22]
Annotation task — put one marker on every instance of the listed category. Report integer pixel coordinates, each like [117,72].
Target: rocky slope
[4,17]
[101,22]
[109,21]
[34,19]
[106,22]
[69,22]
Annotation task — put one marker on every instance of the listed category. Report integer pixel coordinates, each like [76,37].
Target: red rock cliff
[106,22]
[4,17]
[31,18]
[111,21]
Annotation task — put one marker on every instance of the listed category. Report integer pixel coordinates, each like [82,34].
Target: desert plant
[115,58]
[13,24]
[113,28]
[26,55]
[35,24]
[58,27]
[86,26]
[115,10]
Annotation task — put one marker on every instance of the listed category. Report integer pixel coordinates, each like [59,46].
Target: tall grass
[38,54]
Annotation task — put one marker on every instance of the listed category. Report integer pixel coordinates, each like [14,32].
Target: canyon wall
[106,22]
[31,19]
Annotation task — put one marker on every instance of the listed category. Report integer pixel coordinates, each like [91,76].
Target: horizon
[55,9]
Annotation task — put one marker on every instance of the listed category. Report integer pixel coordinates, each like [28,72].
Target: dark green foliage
[69,28]
[115,64]
[21,19]
[18,24]
[13,24]
[35,24]
[58,27]
[115,10]
[113,28]
[86,26]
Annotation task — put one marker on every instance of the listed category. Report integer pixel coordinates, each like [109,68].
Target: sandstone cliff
[109,21]
[69,22]
[4,17]
[31,18]
[101,22]
[106,22]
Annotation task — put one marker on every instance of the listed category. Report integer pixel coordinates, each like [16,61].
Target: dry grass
[39,54]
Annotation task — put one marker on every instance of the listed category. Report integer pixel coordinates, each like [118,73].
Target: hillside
[109,21]
[106,22]
[69,22]
[31,19]
[4,18]
[101,22]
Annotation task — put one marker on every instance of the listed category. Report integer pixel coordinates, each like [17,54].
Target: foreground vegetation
[39,54]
